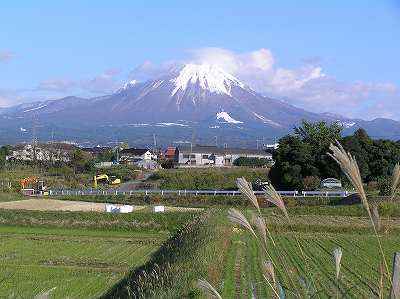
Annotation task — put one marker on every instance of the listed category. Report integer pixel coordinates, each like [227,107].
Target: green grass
[79,263]
[206,178]
[359,263]
[138,221]
[11,196]
[319,232]
[53,177]
[195,250]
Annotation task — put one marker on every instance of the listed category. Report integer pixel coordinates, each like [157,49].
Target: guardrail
[86,192]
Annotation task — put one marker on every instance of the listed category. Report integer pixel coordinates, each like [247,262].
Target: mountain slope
[192,97]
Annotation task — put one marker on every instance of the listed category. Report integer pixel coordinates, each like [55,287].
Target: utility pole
[191,150]
[117,154]
[216,141]
[34,137]
[154,143]
[190,157]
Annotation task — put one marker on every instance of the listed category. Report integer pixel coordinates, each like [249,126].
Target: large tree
[81,161]
[319,136]
[375,158]
[293,162]
[360,146]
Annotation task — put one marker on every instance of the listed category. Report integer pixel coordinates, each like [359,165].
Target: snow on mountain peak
[209,77]
[227,118]
[130,84]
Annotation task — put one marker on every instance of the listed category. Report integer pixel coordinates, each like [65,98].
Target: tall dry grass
[395,180]
[349,166]
[259,230]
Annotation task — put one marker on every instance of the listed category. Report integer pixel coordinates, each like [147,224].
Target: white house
[216,156]
[51,152]
[134,155]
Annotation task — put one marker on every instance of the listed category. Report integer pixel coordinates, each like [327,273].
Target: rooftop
[220,150]
[134,151]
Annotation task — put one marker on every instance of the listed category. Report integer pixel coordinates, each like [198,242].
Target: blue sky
[336,56]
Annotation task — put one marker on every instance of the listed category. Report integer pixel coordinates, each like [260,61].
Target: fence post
[395,290]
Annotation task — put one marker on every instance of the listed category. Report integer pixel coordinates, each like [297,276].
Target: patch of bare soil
[56,205]
[49,204]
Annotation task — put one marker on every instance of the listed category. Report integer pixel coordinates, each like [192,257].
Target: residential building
[169,154]
[46,152]
[97,150]
[132,155]
[201,155]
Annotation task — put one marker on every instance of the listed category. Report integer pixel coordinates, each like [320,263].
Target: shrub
[385,186]
[168,164]
[252,162]
[311,183]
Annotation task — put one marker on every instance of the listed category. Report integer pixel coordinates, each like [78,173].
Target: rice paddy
[77,263]
[359,276]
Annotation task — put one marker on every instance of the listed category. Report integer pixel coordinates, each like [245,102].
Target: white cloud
[6,55]
[307,86]
[55,84]
[232,62]
[100,84]
[9,97]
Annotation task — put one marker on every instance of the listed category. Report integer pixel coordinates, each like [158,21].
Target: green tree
[252,162]
[81,162]
[319,136]
[4,152]
[360,146]
[294,161]
[375,158]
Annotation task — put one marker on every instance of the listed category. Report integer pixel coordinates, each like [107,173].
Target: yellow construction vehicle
[112,180]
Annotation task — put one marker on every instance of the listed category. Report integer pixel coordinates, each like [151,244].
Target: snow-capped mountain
[192,97]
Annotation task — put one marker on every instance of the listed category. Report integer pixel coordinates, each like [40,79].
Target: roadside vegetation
[221,178]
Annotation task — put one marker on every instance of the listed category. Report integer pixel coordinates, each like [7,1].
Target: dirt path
[69,205]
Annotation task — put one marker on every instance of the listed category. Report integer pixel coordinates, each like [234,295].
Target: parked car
[331,183]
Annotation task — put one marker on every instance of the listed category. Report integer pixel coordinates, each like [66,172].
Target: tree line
[301,160]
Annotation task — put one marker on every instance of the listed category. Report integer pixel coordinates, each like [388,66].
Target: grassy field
[92,254]
[78,263]
[81,254]
[359,279]
[224,178]
[319,234]
[63,177]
